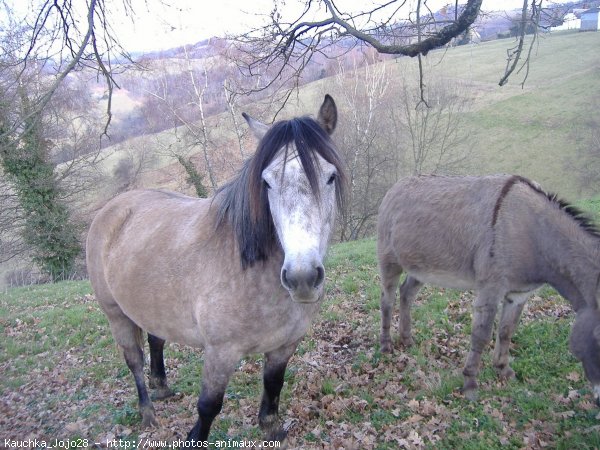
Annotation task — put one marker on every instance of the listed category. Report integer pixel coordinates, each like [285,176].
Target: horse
[236,274]
[500,235]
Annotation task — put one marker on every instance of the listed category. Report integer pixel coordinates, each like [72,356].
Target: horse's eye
[331,178]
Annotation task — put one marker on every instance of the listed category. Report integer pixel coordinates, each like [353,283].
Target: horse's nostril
[287,282]
[320,276]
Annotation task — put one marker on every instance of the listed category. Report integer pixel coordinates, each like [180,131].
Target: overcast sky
[156,26]
[188,21]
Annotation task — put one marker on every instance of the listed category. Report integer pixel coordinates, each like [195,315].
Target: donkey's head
[301,178]
[585,345]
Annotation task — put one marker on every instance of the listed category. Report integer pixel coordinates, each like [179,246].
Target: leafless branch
[514,54]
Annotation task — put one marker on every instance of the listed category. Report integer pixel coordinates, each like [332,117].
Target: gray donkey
[500,235]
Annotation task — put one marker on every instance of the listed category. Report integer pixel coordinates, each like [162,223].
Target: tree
[193,176]
[429,132]
[362,93]
[284,47]
[48,232]
[45,157]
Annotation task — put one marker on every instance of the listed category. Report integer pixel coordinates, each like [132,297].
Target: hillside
[528,130]
[65,379]
[532,130]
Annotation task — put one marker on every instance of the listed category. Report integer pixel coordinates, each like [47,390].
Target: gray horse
[236,274]
[500,235]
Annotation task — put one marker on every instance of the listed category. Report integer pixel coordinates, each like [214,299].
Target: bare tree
[198,133]
[362,93]
[283,48]
[134,162]
[231,99]
[431,133]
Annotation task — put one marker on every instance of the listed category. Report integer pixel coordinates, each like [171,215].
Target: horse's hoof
[162,393]
[148,418]
[277,435]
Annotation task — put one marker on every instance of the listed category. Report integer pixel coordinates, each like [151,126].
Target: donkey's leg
[273,374]
[512,308]
[484,312]
[408,291]
[390,275]
[158,376]
[218,368]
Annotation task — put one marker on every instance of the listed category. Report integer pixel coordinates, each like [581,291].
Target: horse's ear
[259,129]
[328,114]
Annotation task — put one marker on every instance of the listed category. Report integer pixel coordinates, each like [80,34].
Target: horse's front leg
[484,312]
[218,368]
[273,375]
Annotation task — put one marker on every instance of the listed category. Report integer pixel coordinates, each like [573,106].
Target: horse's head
[301,179]
[585,345]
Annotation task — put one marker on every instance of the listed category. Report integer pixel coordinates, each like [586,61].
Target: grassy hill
[528,130]
[63,377]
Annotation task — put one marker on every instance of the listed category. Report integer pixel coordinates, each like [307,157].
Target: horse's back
[139,246]
[437,227]
[143,214]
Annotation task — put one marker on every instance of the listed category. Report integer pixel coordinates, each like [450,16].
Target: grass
[528,130]
[61,369]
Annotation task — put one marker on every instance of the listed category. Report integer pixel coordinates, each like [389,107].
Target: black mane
[243,202]
[580,216]
[577,214]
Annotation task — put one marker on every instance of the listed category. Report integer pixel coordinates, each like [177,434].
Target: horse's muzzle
[304,284]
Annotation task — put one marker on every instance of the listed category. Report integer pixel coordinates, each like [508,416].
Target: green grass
[59,360]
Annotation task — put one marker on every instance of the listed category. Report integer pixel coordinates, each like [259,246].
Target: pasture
[63,377]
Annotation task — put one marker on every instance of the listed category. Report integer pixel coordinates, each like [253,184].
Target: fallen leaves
[344,394]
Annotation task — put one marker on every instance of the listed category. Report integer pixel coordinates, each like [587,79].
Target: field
[529,130]
[63,377]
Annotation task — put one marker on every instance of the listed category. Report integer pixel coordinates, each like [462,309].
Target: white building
[570,22]
[590,20]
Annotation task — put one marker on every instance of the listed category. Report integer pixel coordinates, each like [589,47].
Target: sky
[163,24]
[189,21]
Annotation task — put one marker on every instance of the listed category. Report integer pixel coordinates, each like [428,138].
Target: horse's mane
[576,214]
[243,202]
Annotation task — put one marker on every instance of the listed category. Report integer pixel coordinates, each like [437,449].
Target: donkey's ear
[259,129]
[328,114]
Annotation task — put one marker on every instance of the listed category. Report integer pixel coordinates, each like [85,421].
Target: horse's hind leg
[511,312]
[129,337]
[408,291]
[273,375]
[390,275]
[158,376]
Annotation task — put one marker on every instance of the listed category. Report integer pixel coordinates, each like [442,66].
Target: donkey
[237,274]
[500,235]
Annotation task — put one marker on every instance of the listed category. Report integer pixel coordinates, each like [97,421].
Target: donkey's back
[438,229]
